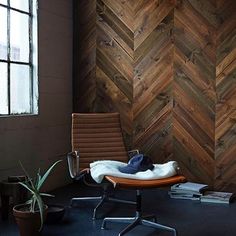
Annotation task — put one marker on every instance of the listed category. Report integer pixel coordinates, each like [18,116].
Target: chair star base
[102,199]
[137,220]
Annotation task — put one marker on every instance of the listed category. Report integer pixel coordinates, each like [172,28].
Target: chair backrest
[97,136]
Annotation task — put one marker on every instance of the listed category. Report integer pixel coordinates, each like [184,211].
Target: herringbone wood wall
[114,68]
[84,50]
[194,89]
[225,125]
[168,67]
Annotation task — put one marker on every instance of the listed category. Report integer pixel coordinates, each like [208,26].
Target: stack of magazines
[188,190]
[217,197]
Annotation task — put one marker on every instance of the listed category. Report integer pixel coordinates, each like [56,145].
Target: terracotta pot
[28,222]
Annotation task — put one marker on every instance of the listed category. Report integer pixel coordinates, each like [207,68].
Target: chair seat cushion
[141,184]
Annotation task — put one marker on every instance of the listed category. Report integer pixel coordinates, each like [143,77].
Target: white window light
[18,57]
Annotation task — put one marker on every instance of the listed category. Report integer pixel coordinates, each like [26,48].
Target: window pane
[3,89]
[19,34]
[20,88]
[3,2]
[3,33]
[20,4]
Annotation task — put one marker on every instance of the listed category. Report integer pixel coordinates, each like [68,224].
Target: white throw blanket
[99,169]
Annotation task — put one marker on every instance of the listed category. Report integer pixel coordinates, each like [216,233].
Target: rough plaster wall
[40,140]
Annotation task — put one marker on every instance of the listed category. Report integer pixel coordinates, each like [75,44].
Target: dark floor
[190,218]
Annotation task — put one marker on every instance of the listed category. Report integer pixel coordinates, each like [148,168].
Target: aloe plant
[34,186]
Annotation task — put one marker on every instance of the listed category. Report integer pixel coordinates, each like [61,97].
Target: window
[18,57]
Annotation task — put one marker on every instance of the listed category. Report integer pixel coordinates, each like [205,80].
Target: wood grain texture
[84,65]
[194,90]
[225,153]
[169,68]
[114,61]
[153,79]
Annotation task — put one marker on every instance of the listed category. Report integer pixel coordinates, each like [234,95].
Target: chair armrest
[73,164]
[133,152]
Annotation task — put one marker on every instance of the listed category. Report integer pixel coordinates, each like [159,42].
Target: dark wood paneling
[226,96]
[84,77]
[194,88]
[153,79]
[114,61]
[169,68]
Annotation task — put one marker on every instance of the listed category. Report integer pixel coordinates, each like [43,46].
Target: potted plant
[31,215]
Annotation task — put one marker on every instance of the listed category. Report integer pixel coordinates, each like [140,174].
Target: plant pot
[55,214]
[28,222]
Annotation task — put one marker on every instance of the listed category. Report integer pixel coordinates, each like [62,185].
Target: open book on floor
[217,197]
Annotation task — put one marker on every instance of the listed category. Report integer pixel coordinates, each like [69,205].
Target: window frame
[33,57]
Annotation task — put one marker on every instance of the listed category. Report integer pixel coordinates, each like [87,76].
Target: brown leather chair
[95,136]
[98,136]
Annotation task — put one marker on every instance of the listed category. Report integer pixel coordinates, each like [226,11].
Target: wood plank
[149,18]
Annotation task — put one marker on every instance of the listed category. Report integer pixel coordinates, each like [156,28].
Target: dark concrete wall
[41,139]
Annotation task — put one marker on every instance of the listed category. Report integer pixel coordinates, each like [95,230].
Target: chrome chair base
[105,197]
[102,200]
[137,220]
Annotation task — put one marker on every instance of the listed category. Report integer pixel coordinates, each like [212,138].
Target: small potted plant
[31,215]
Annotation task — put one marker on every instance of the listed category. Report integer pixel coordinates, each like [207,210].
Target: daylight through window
[18,57]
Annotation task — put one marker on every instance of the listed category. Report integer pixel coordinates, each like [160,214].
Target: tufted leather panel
[97,136]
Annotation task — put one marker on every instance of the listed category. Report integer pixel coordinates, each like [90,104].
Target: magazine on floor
[189,186]
[188,190]
[217,197]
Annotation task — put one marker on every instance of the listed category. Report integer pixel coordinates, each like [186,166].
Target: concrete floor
[190,218]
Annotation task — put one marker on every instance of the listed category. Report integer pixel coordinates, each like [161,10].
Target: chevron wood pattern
[114,67]
[84,83]
[169,68]
[194,91]
[153,79]
[225,153]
